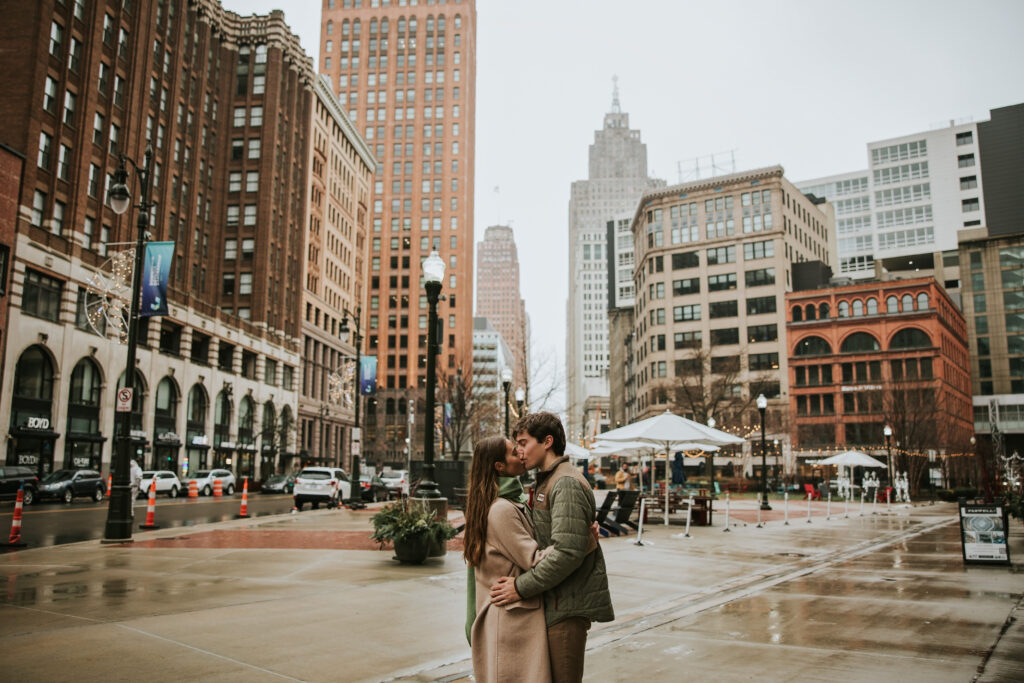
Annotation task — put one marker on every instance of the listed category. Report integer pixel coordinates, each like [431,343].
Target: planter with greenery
[411,528]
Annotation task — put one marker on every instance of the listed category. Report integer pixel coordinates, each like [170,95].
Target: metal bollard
[846,507]
[809,507]
[888,498]
[726,511]
[785,506]
[828,507]
[862,496]
[689,511]
[640,526]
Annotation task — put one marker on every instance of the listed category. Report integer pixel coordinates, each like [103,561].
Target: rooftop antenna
[497,202]
[615,95]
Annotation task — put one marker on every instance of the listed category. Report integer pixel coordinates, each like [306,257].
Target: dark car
[12,477]
[279,483]
[373,488]
[66,485]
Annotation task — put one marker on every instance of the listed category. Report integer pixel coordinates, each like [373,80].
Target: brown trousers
[567,644]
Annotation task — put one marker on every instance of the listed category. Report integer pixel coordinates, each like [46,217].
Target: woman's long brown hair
[483,489]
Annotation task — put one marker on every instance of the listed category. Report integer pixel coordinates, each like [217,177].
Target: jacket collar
[544,474]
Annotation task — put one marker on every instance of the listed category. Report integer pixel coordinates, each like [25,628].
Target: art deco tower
[497,296]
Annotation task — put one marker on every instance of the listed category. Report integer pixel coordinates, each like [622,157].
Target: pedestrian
[135,479]
[573,581]
[623,479]
[509,643]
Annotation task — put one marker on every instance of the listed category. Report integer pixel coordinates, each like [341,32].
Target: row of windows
[864,342]
[858,307]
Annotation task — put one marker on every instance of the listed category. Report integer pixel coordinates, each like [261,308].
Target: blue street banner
[155,271]
[447,414]
[367,375]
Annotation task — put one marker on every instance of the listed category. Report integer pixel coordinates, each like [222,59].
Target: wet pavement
[309,597]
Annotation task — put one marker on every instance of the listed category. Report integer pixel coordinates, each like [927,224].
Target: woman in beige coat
[509,642]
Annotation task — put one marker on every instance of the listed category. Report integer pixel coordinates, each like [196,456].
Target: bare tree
[545,380]
[711,386]
[466,404]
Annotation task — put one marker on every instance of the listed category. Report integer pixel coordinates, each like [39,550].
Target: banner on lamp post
[367,375]
[155,271]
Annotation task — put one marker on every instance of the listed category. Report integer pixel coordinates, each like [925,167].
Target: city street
[860,598]
[52,523]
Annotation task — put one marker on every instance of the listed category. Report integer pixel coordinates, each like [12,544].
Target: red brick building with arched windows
[871,354]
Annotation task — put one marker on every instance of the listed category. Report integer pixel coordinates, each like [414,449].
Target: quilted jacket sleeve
[571,516]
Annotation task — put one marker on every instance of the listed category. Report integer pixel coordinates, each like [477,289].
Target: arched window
[384,26]
[373,27]
[330,28]
[85,385]
[910,338]
[33,376]
[196,445]
[872,306]
[197,406]
[859,342]
[798,314]
[908,303]
[166,400]
[34,439]
[844,309]
[812,346]
[823,311]
[245,416]
[810,312]
[138,397]
[892,305]
[858,308]
[356,25]
[922,301]
[345,27]
[267,427]
[222,419]
[84,444]
[285,425]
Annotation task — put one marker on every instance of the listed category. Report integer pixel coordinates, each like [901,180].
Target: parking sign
[124,400]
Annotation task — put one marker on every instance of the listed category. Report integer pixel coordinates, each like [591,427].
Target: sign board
[983,532]
[38,423]
[124,400]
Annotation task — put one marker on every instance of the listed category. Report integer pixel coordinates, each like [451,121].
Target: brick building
[225,104]
[498,299]
[866,355]
[406,74]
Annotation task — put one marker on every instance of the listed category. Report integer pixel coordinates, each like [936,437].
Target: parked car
[279,483]
[12,477]
[373,488]
[204,481]
[166,482]
[67,484]
[397,482]
[317,485]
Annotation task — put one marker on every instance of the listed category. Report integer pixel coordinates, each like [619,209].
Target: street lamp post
[711,462]
[887,431]
[506,382]
[433,274]
[356,499]
[762,403]
[119,512]
[520,400]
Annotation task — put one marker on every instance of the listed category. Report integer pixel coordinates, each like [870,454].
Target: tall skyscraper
[497,295]
[406,74]
[616,180]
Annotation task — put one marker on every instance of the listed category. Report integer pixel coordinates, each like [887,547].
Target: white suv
[315,485]
[166,482]
[204,481]
[397,482]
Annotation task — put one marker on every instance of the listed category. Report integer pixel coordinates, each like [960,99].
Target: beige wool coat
[510,643]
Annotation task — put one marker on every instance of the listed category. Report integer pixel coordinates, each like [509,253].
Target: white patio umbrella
[578,452]
[852,459]
[643,449]
[671,432]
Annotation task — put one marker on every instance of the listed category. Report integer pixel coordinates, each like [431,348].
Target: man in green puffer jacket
[574,581]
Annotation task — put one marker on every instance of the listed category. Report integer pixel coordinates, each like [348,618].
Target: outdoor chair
[602,512]
[813,492]
[627,503]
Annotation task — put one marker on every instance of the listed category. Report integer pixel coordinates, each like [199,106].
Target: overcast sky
[805,84]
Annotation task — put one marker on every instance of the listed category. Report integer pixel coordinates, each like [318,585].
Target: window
[235,181]
[970,204]
[256,117]
[764,361]
[813,346]
[230,249]
[859,342]
[718,283]
[38,205]
[239,118]
[965,160]
[50,95]
[723,309]
[758,250]
[245,283]
[685,260]
[254,148]
[69,108]
[760,277]
[41,296]
[728,335]
[228,284]
[719,255]
[965,138]
[682,313]
[969,182]
[56,39]
[252,181]
[688,286]
[45,151]
[762,333]
[687,340]
[910,338]
[761,304]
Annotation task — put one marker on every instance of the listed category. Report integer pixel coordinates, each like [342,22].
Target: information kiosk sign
[983,529]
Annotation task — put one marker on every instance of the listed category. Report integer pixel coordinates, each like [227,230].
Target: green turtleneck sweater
[512,489]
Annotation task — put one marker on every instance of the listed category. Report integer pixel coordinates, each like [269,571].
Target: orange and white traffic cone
[14,541]
[218,488]
[110,484]
[151,508]
[244,512]
[193,489]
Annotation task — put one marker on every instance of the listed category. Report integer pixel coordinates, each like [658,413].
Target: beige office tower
[406,74]
[498,299]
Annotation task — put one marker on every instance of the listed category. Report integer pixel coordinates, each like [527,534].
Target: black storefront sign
[983,529]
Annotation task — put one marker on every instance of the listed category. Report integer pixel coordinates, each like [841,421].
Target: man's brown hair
[541,426]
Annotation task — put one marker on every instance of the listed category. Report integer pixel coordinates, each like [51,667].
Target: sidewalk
[305,597]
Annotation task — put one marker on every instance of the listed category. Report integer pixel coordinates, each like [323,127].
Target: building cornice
[322,89]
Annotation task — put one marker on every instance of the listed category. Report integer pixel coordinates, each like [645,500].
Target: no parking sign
[124,400]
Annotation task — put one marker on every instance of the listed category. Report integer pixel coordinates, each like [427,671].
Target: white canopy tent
[670,432]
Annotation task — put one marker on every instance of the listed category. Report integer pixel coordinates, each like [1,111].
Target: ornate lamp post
[762,403]
[356,500]
[119,513]
[520,400]
[506,382]
[711,462]
[433,274]
[887,431]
